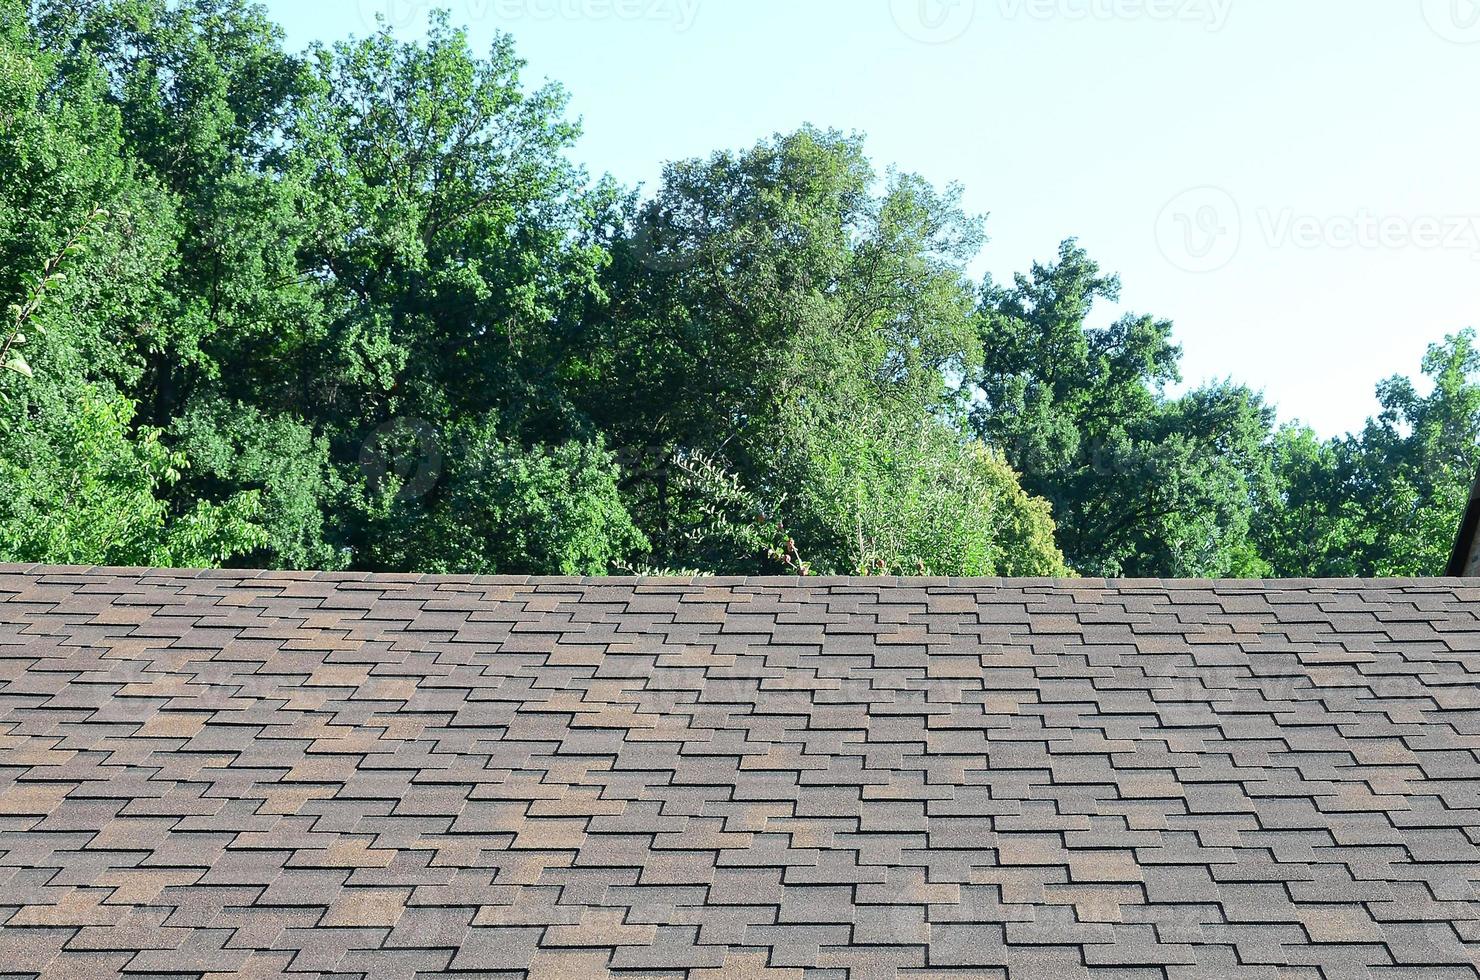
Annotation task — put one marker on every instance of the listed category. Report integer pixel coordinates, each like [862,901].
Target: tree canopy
[356,307]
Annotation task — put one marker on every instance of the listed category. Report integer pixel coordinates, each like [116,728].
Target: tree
[357,308]
[1387,502]
[878,496]
[447,229]
[503,508]
[450,237]
[905,496]
[1142,484]
[375,232]
[80,486]
[766,308]
[202,92]
[231,446]
[81,233]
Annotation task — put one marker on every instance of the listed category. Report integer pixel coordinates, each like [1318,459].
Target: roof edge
[818,581]
[1465,558]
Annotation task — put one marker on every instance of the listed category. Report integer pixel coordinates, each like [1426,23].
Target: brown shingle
[234,774]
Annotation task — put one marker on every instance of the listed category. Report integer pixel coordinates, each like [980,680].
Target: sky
[1292,182]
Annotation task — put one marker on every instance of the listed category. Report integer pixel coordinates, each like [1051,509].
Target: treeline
[356,308]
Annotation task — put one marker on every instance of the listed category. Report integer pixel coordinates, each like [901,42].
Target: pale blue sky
[1293,182]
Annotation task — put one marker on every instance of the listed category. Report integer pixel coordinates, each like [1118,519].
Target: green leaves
[50,278]
[450,237]
[1141,484]
[889,494]
[1387,501]
[763,299]
[278,457]
[80,485]
[233,274]
[496,507]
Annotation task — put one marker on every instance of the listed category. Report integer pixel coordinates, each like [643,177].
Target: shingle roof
[240,774]
[1465,558]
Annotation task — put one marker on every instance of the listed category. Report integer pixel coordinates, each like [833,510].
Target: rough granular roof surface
[234,774]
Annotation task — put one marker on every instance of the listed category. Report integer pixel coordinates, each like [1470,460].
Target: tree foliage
[498,507]
[1387,502]
[761,303]
[356,308]
[914,497]
[79,485]
[83,236]
[1143,483]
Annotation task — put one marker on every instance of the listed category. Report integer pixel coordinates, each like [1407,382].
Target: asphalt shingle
[237,774]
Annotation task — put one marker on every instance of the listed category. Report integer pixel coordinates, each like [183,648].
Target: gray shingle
[244,773]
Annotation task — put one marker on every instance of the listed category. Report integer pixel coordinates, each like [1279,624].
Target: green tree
[914,497]
[453,242]
[80,486]
[282,461]
[877,496]
[448,228]
[382,230]
[763,306]
[480,503]
[82,235]
[1387,502]
[1142,484]
[366,295]
[200,92]
[203,93]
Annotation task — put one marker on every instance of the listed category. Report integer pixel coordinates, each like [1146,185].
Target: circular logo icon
[395,14]
[933,21]
[652,250]
[407,455]
[1200,229]
[1457,21]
